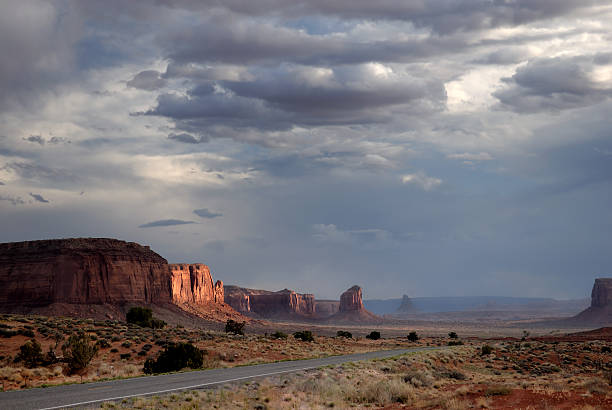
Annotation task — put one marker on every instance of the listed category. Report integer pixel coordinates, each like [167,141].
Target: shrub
[125,356]
[453,335]
[175,357]
[114,350]
[455,343]
[126,344]
[278,335]
[413,337]
[26,332]
[344,333]
[304,336]
[143,317]
[498,391]
[79,351]
[8,333]
[485,350]
[606,349]
[103,343]
[30,353]
[232,326]
[374,335]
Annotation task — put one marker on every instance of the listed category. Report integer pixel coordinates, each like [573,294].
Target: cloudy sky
[423,147]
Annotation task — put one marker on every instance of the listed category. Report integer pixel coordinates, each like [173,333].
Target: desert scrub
[382,392]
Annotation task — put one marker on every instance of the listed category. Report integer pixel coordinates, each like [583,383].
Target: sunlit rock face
[193,283]
[351,300]
[81,271]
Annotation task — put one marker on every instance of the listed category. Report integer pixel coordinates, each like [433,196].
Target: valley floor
[546,370]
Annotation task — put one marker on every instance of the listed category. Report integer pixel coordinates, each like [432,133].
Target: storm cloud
[457,142]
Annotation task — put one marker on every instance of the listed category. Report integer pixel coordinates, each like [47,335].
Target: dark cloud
[300,96]
[39,198]
[248,42]
[205,213]
[443,16]
[554,84]
[188,138]
[149,80]
[35,139]
[165,222]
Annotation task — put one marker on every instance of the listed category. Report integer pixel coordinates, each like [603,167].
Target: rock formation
[270,304]
[406,306]
[81,271]
[75,275]
[194,284]
[601,295]
[326,308]
[600,311]
[351,300]
[351,309]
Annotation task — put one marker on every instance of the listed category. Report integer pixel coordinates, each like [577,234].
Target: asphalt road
[82,395]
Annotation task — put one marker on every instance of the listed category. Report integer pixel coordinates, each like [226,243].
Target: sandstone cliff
[265,303]
[81,271]
[351,300]
[194,284]
[326,308]
[600,311]
[90,276]
[351,309]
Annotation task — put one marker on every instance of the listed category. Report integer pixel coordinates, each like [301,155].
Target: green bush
[344,333]
[30,353]
[103,343]
[413,337]
[374,335]
[7,333]
[78,351]
[232,326]
[485,350]
[278,335]
[175,357]
[143,317]
[453,335]
[304,336]
[125,356]
[455,343]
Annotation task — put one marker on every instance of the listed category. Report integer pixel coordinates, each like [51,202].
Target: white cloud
[423,181]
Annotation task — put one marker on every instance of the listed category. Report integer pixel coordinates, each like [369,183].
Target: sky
[428,148]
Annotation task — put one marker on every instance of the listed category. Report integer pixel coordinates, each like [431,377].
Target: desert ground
[501,367]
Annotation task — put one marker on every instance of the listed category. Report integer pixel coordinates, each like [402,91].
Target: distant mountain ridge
[477,303]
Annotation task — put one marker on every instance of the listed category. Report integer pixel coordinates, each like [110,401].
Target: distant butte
[263,303]
[600,311]
[351,309]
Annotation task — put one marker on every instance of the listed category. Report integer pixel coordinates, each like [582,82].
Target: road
[81,395]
